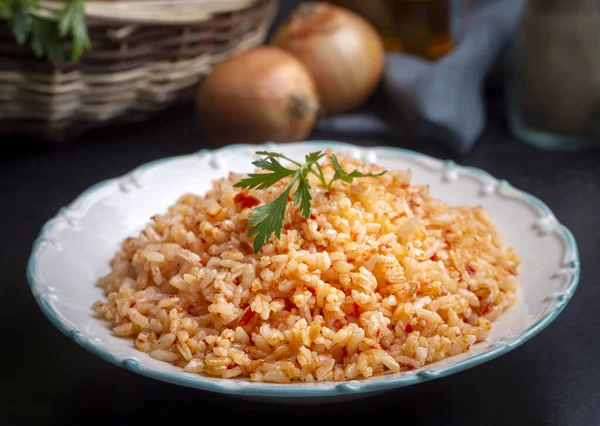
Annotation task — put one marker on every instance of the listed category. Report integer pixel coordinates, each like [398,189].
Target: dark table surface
[553,379]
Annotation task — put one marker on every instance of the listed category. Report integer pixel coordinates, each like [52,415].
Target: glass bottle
[553,75]
[418,27]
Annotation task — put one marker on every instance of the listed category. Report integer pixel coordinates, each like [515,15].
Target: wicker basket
[146,55]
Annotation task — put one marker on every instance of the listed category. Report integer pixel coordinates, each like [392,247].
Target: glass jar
[553,75]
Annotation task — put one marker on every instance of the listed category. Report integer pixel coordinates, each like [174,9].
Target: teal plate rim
[292,390]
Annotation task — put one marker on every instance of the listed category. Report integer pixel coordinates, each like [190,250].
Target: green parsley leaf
[65,18]
[6,10]
[71,21]
[313,157]
[348,177]
[267,220]
[264,180]
[302,195]
[20,26]
[48,36]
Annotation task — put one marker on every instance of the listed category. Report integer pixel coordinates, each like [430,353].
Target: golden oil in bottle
[418,27]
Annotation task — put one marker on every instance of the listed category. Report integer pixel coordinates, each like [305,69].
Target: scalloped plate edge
[301,390]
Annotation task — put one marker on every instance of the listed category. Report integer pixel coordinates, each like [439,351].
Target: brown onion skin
[263,94]
[343,52]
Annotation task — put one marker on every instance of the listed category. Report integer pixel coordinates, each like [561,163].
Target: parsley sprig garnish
[48,35]
[267,219]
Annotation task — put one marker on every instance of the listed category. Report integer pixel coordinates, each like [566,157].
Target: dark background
[47,379]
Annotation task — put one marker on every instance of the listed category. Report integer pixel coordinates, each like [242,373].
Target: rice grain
[383,278]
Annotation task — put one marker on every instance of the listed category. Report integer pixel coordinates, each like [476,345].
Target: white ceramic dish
[74,248]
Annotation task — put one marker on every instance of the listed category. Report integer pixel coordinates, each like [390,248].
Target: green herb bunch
[267,219]
[48,35]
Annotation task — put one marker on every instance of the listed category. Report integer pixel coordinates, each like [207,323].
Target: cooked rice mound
[382,278]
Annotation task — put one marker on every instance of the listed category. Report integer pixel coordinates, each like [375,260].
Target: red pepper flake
[408,328]
[247,317]
[132,303]
[246,201]
[218,225]
[172,295]
[470,271]
[312,290]
[356,310]
[141,340]
[312,216]
[487,308]
[289,305]
[410,366]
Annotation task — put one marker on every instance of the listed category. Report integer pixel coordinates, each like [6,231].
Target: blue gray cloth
[444,99]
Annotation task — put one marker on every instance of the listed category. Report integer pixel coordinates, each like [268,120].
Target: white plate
[74,249]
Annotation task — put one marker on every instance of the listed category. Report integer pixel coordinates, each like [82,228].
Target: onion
[263,94]
[342,51]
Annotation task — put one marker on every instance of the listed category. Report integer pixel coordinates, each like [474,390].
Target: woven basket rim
[139,66]
[149,12]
